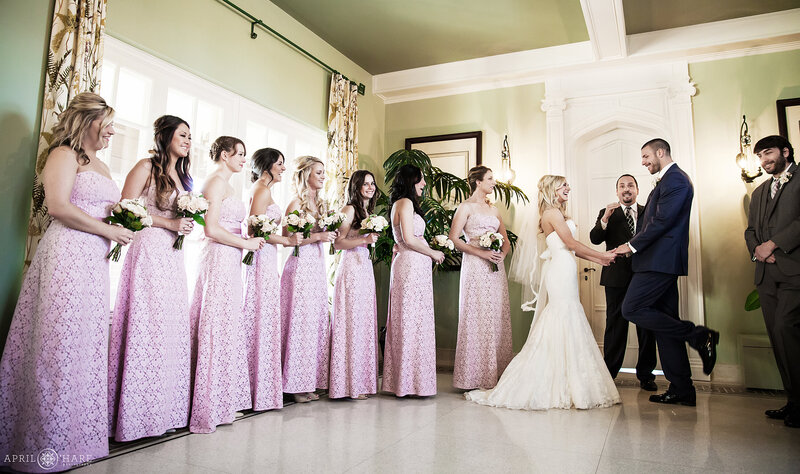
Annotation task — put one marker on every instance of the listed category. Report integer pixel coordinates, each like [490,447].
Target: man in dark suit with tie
[616,224]
[773,238]
[660,254]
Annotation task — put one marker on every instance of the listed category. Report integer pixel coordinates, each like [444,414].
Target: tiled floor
[724,433]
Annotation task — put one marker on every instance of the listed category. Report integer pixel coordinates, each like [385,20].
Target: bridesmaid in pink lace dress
[149,366]
[53,369]
[409,365]
[221,381]
[262,311]
[354,336]
[304,293]
[483,349]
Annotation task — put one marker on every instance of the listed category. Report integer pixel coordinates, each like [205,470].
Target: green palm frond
[405,157]
[447,186]
[506,192]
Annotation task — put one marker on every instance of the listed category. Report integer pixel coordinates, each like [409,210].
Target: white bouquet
[299,221]
[442,242]
[131,214]
[331,222]
[492,241]
[258,226]
[192,205]
[373,224]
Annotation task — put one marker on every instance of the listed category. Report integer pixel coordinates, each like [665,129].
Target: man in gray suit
[773,238]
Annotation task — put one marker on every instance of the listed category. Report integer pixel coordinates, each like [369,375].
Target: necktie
[773,190]
[629,220]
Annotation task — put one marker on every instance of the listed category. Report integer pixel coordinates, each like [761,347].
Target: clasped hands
[764,252]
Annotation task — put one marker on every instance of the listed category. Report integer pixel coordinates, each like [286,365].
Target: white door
[600,161]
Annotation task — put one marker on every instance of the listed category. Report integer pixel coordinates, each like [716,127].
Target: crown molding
[759,34]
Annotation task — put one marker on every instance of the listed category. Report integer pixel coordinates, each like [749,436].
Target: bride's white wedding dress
[560,365]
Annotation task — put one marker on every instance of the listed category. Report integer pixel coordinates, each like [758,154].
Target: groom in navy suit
[660,254]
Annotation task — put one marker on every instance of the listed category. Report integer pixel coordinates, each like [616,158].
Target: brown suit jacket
[776,219]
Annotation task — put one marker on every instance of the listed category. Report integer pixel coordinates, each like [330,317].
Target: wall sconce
[507,174]
[751,167]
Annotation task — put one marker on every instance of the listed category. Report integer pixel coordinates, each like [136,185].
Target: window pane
[180,105]
[133,96]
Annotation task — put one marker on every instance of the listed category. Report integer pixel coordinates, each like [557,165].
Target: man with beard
[773,238]
[616,224]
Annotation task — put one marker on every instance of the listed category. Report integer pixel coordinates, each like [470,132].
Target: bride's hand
[606,258]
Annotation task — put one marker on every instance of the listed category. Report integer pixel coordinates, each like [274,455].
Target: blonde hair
[74,122]
[303,166]
[548,199]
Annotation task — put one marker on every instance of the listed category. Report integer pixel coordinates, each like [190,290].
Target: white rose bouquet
[492,241]
[258,226]
[299,221]
[192,205]
[373,224]
[443,243]
[331,222]
[130,214]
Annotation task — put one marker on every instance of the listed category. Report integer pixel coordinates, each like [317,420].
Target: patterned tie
[773,190]
[629,220]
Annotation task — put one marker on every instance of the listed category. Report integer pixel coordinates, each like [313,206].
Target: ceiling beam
[605,22]
[758,34]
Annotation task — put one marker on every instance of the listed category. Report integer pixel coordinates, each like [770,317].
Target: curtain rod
[255,21]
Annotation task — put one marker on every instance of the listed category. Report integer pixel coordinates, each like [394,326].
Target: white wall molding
[605,22]
[759,34]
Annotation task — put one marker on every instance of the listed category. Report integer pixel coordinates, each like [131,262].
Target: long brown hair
[164,129]
[355,199]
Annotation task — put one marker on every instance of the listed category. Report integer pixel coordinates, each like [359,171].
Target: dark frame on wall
[477,136]
[787,107]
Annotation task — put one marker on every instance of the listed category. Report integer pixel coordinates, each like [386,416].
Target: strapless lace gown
[149,366]
[560,365]
[483,348]
[53,374]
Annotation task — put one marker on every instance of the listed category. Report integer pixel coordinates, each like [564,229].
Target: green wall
[728,89]
[515,111]
[24,33]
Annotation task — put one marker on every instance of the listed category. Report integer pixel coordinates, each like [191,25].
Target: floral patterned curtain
[342,139]
[74,59]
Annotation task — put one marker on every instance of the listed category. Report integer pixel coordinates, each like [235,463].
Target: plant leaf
[753,301]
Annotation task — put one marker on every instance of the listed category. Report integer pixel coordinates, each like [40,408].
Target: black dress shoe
[670,398]
[780,413]
[649,385]
[792,419]
[708,351]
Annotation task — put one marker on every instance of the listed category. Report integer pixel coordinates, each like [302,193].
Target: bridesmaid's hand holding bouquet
[331,223]
[192,205]
[443,243]
[299,222]
[258,226]
[374,224]
[492,241]
[130,214]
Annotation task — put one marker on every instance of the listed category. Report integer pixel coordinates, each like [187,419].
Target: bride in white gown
[560,365]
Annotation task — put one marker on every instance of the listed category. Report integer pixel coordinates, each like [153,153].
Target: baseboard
[731,374]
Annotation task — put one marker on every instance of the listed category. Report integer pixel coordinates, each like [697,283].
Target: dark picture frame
[451,147]
[789,108]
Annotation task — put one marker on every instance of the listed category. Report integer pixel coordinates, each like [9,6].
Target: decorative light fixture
[751,168]
[507,174]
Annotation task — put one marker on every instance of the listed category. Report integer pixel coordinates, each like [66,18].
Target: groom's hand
[764,251]
[623,249]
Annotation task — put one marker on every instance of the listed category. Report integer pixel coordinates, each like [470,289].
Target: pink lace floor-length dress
[221,379]
[409,364]
[149,366]
[483,349]
[305,321]
[354,336]
[53,374]
[262,321]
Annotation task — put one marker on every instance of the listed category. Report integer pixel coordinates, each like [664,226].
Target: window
[141,88]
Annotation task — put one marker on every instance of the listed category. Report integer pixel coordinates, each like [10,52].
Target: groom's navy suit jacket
[662,242]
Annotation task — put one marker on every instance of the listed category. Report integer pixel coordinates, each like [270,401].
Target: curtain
[342,139]
[74,59]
